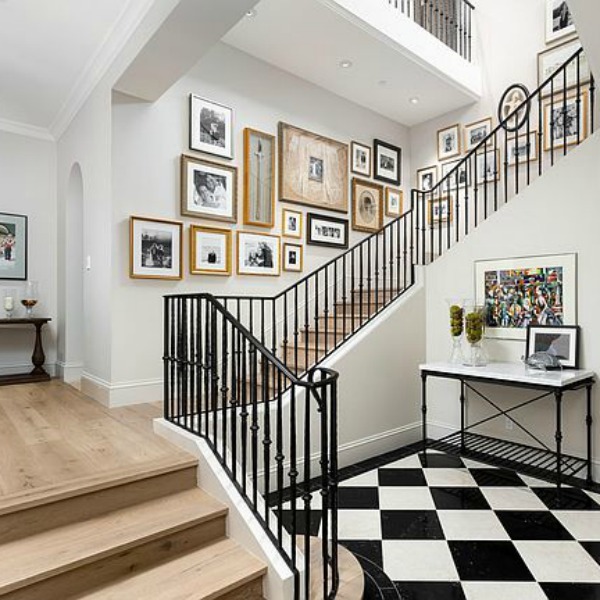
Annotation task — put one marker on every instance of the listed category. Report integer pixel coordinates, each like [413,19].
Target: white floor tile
[409,560]
[368,479]
[499,590]
[582,525]
[410,462]
[449,478]
[405,498]
[559,561]
[473,464]
[471,525]
[534,482]
[359,525]
[508,498]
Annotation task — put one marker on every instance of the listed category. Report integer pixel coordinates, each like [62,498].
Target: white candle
[9,303]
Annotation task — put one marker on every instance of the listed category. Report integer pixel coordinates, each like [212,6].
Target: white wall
[28,187]
[507,50]
[147,143]
[557,214]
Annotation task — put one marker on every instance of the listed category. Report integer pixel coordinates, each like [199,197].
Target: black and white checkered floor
[447,528]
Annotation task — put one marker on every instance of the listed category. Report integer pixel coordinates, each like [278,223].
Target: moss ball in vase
[474,329]
[457,314]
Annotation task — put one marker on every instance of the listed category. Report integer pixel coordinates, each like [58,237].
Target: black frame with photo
[22,276]
[571,330]
[315,216]
[377,144]
[204,147]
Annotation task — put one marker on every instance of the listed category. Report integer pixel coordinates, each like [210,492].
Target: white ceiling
[308,39]
[45,46]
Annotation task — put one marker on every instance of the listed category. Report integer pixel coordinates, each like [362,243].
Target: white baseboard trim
[16,369]
[69,373]
[114,395]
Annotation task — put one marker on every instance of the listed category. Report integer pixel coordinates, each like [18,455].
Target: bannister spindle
[306,496]
[306,324]
[254,426]
[267,441]
[565,121]
[214,366]
[296,329]
[578,90]
[279,456]
[224,387]
[325,312]
[316,319]
[497,178]
[235,377]
[369,277]
[248,384]
[540,135]
[592,103]
[552,121]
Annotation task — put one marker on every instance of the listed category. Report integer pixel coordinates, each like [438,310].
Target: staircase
[149,534]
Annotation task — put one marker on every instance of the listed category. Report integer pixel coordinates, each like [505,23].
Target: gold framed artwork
[394,200]
[293,259]
[522,148]
[476,132]
[367,206]
[459,178]
[291,223]
[259,178]
[210,251]
[552,59]
[561,124]
[440,210]
[208,189]
[258,254]
[448,144]
[313,169]
[155,248]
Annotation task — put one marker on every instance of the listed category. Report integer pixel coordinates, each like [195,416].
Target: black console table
[38,357]
[529,459]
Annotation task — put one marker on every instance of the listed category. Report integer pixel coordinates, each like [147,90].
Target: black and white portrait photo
[565,121]
[292,223]
[559,20]
[367,206]
[327,231]
[449,142]
[361,159]
[209,190]
[387,162]
[427,178]
[292,258]
[155,248]
[210,251]
[315,169]
[427,182]
[211,127]
[258,254]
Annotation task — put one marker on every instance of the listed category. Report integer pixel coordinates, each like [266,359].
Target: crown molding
[130,18]
[25,129]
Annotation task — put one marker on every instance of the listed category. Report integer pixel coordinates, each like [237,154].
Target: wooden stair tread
[103,480]
[38,557]
[203,574]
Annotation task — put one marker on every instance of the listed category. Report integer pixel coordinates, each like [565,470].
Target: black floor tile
[568,499]
[488,561]
[442,461]
[301,521]
[593,549]
[532,525]
[571,591]
[358,497]
[410,525]
[496,478]
[430,591]
[369,549]
[464,498]
[401,477]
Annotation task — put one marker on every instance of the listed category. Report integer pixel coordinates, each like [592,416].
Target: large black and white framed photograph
[559,20]
[361,159]
[210,251]
[448,142]
[552,59]
[561,342]
[327,231]
[387,162]
[476,132]
[562,127]
[258,254]
[211,127]
[293,258]
[291,223]
[13,247]
[459,175]
[427,178]
[208,190]
[155,248]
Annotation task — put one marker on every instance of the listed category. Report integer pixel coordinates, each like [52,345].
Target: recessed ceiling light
[251,13]
[345,64]
[382,82]
[414,100]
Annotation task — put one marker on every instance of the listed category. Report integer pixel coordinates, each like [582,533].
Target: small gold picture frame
[210,251]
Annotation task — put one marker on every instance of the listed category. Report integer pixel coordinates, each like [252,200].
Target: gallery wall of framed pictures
[237,203]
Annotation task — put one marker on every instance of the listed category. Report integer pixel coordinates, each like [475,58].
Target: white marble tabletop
[513,372]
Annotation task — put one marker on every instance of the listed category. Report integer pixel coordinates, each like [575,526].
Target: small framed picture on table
[562,342]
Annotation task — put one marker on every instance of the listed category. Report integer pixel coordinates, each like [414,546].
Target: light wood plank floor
[51,434]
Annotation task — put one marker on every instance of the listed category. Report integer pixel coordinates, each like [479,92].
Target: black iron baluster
[592,103]
[306,496]
[224,387]
[540,135]
[235,378]
[565,112]
[254,426]
[207,365]
[316,318]
[248,384]
[267,441]
[296,330]
[578,90]
[369,278]
[293,476]
[214,385]
[285,327]
[552,121]
[279,457]
[326,313]
[335,309]
[361,285]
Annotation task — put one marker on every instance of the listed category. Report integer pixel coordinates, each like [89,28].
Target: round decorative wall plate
[515,98]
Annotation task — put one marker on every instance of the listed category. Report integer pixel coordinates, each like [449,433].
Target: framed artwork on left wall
[155,248]
[13,247]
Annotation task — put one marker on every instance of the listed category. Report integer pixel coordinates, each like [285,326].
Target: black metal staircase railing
[551,122]
[265,426]
[450,21]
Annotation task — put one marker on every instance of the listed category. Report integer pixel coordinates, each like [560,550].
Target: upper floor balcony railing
[448,20]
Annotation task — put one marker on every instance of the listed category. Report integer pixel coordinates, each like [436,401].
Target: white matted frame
[291,223]
[211,127]
[545,293]
[559,20]
[561,342]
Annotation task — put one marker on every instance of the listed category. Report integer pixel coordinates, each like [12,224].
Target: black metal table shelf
[541,460]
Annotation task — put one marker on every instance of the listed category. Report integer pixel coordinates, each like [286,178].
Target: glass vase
[474,330]
[9,302]
[456,315]
[30,297]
